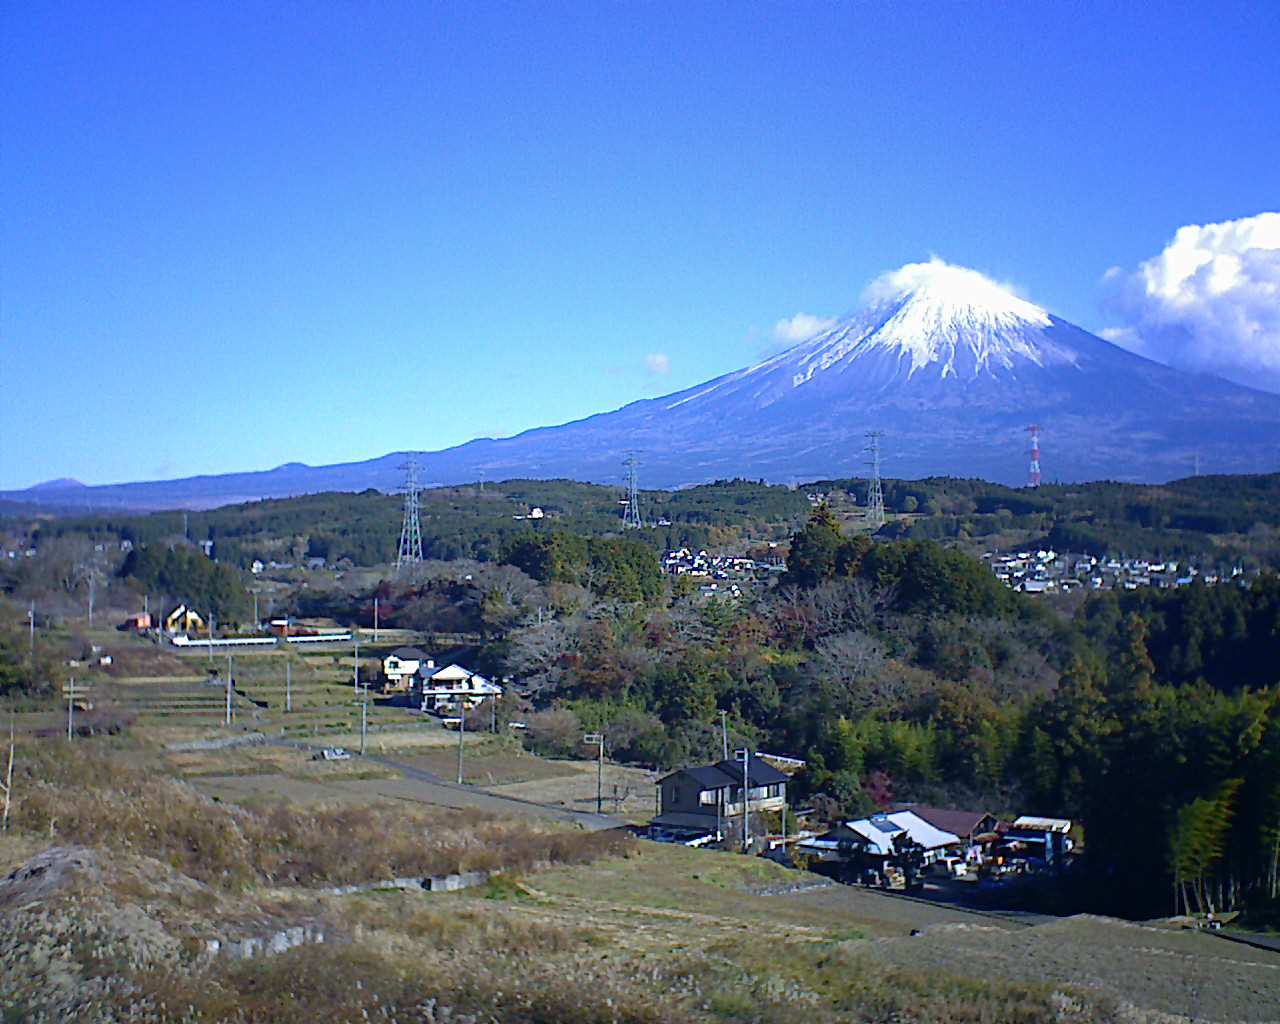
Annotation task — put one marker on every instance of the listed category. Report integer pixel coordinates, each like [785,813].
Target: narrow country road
[428,788]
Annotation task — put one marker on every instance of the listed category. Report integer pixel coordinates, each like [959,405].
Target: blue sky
[236,235]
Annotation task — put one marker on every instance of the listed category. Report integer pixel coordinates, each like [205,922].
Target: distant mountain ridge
[950,366]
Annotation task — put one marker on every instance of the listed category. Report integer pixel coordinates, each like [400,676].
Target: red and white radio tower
[1033,479]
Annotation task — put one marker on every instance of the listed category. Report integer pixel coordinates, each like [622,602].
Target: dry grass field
[628,792]
[158,851]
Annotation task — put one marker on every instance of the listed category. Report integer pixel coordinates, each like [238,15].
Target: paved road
[428,788]
[1267,942]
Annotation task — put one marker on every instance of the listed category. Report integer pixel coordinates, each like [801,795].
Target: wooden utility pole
[8,781]
[355,682]
[288,683]
[31,618]
[598,739]
[71,692]
[375,620]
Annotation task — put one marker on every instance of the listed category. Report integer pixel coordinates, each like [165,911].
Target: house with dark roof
[965,824]
[400,666]
[701,799]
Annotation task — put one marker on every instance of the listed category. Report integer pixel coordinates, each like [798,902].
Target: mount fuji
[950,366]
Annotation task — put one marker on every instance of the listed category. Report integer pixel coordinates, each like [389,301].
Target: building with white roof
[878,835]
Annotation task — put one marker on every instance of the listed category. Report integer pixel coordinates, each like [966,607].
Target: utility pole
[375,620]
[598,739]
[462,727]
[744,755]
[256,620]
[31,619]
[8,782]
[288,684]
[211,638]
[228,689]
[355,682]
[724,733]
[493,714]
[72,692]
[92,581]
[364,720]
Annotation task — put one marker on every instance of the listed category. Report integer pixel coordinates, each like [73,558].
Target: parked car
[332,754]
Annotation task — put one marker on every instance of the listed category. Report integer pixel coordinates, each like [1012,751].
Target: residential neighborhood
[1045,571]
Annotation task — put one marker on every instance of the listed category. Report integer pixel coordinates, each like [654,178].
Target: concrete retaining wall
[288,938]
[265,945]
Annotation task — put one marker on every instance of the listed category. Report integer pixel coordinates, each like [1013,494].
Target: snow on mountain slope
[924,318]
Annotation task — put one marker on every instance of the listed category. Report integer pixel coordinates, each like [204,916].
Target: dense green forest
[457,522]
[1222,519]
[904,671]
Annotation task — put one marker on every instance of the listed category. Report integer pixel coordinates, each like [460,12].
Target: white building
[878,834]
[454,687]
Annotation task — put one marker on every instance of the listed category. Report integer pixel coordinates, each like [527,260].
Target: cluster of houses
[721,575]
[446,689]
[895,848]
[734,800]
[1048,571]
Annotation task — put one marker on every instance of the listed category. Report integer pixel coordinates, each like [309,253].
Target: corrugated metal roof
[1030,821]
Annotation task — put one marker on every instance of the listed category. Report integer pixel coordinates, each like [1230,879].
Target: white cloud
[800,327]
[1209,301]
[955,285]
[658,364]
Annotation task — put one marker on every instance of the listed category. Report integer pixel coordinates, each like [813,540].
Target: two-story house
[454,688]
[705,799]
[400,666]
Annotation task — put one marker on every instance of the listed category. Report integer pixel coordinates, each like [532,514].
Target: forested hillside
[899,667]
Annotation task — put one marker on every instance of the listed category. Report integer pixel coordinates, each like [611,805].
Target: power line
[410,551]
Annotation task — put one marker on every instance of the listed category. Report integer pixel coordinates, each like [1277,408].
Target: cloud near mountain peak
[1209,301]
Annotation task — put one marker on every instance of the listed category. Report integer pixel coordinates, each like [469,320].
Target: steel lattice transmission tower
[631,518]
[410,552]
[1033,476]
[875,493]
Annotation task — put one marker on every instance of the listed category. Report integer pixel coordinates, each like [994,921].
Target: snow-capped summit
[932,310]
[933,317]
[919,324]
